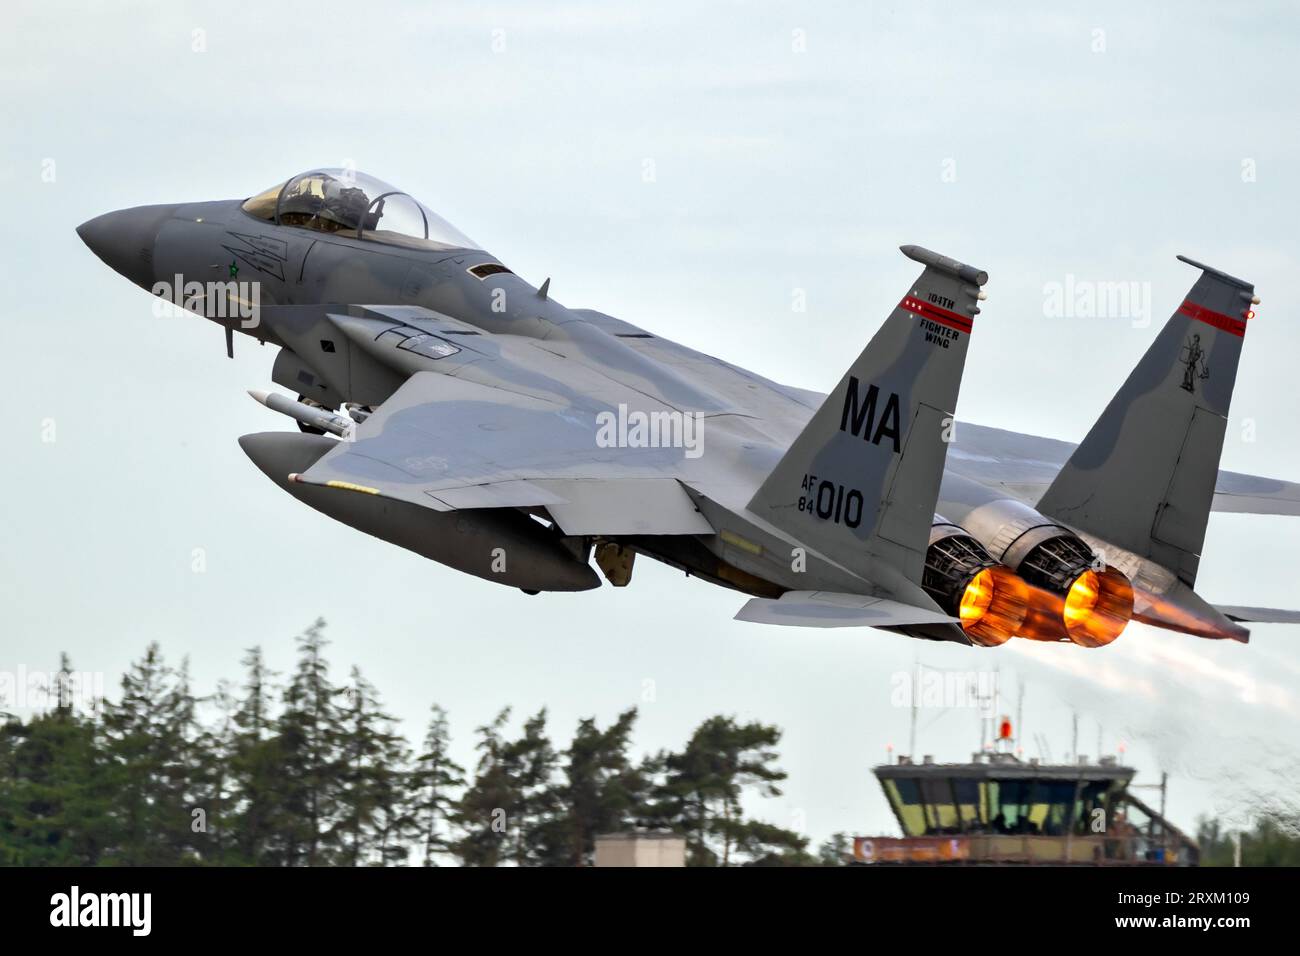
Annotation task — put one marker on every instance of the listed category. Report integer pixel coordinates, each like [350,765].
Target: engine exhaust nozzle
[988,598]
[1097,607]
[993,606]
[1091,611]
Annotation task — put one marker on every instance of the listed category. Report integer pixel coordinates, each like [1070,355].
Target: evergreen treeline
[306,772]
[1274,841]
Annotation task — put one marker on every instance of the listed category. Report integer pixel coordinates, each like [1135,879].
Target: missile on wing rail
[320,418]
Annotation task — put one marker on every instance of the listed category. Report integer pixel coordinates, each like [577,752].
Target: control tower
[1001,810]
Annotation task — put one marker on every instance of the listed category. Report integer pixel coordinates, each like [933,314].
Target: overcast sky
[696,169]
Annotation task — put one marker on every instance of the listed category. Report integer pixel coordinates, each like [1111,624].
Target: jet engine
[1073,594]
[988,599]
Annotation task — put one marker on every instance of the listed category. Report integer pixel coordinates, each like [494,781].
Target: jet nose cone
[124,239]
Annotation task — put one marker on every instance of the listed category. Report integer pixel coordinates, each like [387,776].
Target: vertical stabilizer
[860,482]
[1144,477]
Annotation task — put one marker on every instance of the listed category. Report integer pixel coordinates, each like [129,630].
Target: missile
[321,418]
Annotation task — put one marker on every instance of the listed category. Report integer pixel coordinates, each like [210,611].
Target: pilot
[342,207]
[299,207]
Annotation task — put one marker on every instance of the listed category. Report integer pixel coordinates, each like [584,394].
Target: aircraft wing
[784,409]
[1025,466]
[451,444]
[1255,495]
[513,424]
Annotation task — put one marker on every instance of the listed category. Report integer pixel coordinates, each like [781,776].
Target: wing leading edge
[450,444]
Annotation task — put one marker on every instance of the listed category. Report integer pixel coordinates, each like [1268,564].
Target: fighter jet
[447,406]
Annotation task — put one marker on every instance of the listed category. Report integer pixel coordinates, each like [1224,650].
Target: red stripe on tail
[1227,323]
[926,310]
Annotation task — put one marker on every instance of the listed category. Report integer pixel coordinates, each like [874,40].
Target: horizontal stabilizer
[1259,615]
[831,609]
[1256,495]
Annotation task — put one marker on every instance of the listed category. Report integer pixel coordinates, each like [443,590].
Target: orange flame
[1094,610]
[993,606]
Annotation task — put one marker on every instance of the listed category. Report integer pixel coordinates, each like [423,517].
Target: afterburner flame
[1081,599]
[993,606]
[977,597]
[1094,610]
[1045,620]
[1098,607]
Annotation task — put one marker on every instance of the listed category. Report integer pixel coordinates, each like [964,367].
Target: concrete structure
[640,849]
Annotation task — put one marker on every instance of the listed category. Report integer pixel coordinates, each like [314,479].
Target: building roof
[1005,767]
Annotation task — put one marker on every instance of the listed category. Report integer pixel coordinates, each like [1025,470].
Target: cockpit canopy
[356,206]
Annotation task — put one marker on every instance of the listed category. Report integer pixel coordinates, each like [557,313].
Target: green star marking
[234,269]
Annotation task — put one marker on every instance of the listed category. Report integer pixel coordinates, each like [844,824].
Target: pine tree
[433,784]
[395,826]
[254,755]
[213,817]
[375,818]
[330,780]
[52,788]
[836,850]
[604,792]
[485,808]
[189,770]
[305,810]
[757,843]
[531,763]
[704,784]
[13,850]
[151,738]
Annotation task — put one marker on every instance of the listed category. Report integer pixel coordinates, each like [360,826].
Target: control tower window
[905,795]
